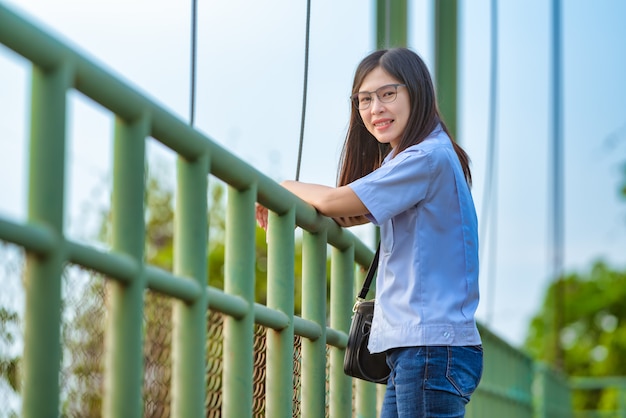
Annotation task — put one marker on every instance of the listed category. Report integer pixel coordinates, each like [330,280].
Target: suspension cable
[192,77]
[490,193]
[304,89]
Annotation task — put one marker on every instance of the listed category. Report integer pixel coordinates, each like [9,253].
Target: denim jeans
[431,381]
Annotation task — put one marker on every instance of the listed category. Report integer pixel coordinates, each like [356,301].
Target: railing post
[239,279]
[280,296]
[621,401]
[341,302]
[314,309]
[42,338]
[446,23]
[124,331]
[190,260]
[391,23]
[366,392]
[540,389]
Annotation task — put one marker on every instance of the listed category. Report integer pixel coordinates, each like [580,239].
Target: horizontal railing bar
[168,284]
[117,266]
[34,238]
[336,338]
[29,41]
[270,318]
[517,396]
[503,345]
[47,52]
[122,267]
[236,307]
[306,328]
[586,383]
[232,305]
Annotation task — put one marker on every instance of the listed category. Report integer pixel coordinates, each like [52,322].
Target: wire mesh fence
[11,335]
[83,339]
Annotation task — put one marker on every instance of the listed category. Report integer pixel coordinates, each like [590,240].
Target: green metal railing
[515,386]
[617,383]
[56,70]
[512,386]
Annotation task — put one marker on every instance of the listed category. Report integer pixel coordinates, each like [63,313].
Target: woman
[401,171]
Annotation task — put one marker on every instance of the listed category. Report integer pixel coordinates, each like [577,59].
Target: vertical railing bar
[341,301]
[42,336]
[365,392]
[314,309]
[280,296]
[239,280]
[124,328]
[190,260]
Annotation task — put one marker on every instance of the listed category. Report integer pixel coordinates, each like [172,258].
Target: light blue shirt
[427,284]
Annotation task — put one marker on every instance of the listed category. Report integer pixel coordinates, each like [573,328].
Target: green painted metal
[190,260]
[239,280]
[446,67]
[553,397]
[365,397]
[617,383]
[314,309]
[391,23]
[506,385]
[341,302]
[280,296]
[42,343]
[124,342]
[512,386]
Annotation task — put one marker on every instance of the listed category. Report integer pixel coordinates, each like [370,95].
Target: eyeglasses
[385,94]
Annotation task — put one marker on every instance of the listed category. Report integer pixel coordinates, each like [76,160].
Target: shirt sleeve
[397,185]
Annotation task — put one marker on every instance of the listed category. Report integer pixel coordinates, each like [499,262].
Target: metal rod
[124,327]
[190,260]
[42,335]
[239,280]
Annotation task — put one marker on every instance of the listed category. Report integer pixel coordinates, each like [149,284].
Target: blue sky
[250,69]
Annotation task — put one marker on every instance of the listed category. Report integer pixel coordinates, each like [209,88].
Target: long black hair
[362,153]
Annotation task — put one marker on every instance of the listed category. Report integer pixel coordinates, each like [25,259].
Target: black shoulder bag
[358,362]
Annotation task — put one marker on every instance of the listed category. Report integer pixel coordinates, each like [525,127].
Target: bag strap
[370,275]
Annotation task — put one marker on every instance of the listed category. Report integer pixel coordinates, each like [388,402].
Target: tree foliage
[592,333]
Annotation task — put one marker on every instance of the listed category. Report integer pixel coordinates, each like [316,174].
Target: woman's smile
[382,124]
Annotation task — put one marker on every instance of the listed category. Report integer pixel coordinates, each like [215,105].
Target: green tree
[593,330]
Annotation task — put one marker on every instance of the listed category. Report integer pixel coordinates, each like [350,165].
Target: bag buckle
[357,303]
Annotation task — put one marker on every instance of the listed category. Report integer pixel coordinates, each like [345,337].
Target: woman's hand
[347,221]
[261,215]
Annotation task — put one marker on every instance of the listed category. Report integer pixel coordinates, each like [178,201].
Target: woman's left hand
[261,215]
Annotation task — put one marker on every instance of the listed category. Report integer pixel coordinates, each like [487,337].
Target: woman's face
[386,121]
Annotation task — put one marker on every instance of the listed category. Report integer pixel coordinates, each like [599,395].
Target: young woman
[401,170]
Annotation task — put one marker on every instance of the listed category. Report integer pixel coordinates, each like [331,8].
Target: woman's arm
[339,203]
[334,202]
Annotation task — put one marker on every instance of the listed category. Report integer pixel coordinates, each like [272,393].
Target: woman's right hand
[348,221]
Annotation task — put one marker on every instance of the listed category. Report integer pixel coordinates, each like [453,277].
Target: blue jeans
[431,381]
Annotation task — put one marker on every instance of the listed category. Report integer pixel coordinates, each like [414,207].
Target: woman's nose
[377,106]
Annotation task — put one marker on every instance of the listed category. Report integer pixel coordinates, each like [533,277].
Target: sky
[249,99]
